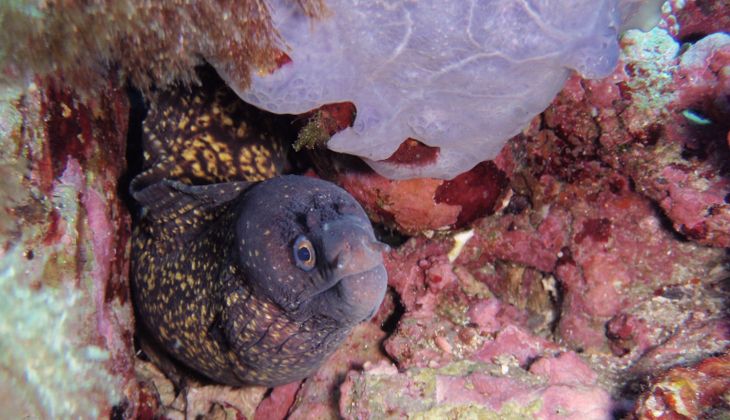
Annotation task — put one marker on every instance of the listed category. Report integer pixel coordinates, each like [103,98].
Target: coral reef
[66,317]
[149,42]
[663,122]
[473,390]
[583,273]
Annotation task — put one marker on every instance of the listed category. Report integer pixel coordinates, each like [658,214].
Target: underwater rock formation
[598,265]
[422,205]
[147,42]
[698,391]
[66,341]
[661,119]
[474,390]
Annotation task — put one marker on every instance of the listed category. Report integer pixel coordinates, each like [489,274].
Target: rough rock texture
[474,390]
[149,42]
[158,397]
[318,395]
[431,204]
[699,391]
[668,128]
[691,20]
[66,330]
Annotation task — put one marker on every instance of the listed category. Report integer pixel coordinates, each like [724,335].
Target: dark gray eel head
[308,246]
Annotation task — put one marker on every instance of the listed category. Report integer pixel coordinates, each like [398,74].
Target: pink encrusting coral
[67,318]
[475,390]
[662,119]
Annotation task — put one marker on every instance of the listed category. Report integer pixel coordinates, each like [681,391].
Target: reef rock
[66,329]
[698,391]
[473,390]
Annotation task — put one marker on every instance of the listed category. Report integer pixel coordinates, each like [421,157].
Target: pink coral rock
[477,390]
[425,204]
[66,243]
[699,391]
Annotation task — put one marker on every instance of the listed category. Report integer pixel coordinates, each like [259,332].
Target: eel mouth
[362,293]
[353,266]
[355,260]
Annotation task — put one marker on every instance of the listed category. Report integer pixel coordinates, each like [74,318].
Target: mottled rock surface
[66,316]
[698,391]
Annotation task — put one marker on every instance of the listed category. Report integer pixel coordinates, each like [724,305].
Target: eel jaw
[356,277]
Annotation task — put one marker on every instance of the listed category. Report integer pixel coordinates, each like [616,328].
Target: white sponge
[461,75]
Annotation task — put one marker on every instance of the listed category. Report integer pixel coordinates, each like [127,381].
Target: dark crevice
[137,113]
[391,322]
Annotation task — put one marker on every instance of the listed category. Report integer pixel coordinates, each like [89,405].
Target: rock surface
[66,315]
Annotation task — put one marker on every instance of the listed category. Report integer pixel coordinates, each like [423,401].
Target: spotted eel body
[245,282]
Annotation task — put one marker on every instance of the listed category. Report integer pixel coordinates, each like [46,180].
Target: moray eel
[245,282]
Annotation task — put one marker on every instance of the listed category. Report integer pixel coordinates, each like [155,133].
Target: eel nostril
[381,247]
[344,257]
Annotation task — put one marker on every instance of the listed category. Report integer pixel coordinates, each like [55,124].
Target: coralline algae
[463,76]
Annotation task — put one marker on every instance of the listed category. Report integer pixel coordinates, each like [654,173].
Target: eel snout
[355,261]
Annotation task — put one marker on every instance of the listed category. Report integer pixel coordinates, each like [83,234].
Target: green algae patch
[509,411]
[455,390]
[313,134]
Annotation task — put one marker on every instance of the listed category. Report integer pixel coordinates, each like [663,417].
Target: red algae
[476,191]
[698,18]
[413,152]
[64,127]
[277,404]
[408,206]
[598,230]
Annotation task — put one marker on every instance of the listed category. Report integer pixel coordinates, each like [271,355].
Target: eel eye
[304,253]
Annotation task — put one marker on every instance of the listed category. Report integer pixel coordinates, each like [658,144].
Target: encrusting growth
[147,42]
